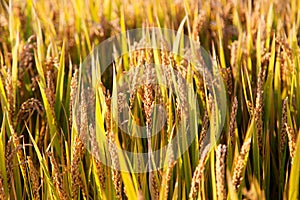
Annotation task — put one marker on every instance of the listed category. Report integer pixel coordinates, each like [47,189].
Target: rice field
[171,99]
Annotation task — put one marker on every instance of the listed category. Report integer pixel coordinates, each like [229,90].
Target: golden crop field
[154,99]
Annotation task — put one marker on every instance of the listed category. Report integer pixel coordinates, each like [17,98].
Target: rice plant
[73,122]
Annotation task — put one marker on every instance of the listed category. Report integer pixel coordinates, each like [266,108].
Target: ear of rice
[73,93]
[198,174]
[9,94]
[220,171]
[258,111]
[116,175]
[240,165]
[283,125]
[57,177]
[205,123]
[34,177]
[292,141]
[153,185]
[78,152]
[167,176]
[95,149]
[232,123]
[79,148]
[2,192]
